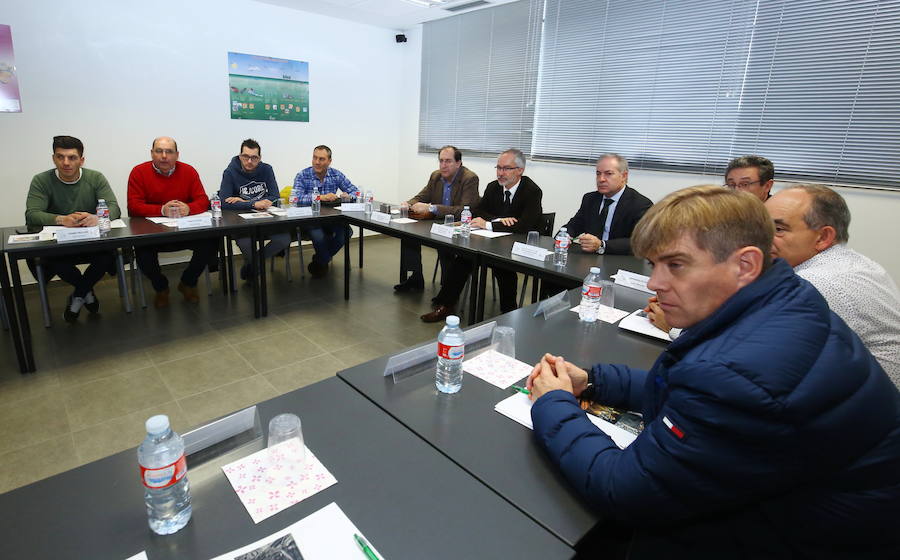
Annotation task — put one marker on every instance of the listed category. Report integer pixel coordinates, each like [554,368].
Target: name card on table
[352,207]
[195,221]
[633,280]
[381,217]
[529,251]
[76,234]
[443,231]
[299,211]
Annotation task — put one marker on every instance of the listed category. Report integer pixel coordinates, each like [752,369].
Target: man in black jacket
[511,203]
[607,216]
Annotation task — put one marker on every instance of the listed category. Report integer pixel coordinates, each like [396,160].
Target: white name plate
[529,251]
[443,231]
[380,217]
[196,221]
[352,207]
[76,234]
[299,211]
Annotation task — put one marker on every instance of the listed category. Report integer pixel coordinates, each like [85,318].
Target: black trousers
[65,267]
[411,258]
[455,282]
[148,261]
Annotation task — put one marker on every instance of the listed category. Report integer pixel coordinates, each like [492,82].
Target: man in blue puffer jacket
[770,431]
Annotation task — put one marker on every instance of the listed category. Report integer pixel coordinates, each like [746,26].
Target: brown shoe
[439,314]
[189,293]
[162,299]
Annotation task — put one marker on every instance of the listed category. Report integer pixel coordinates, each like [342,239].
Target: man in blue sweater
[249,184]
[770,430]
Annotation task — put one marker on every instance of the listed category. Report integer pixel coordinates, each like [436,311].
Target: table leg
[254,260]
[477,281]
[229,250]
[360,246]
[13,316]
[482,289]
[22,312]
[260,241]
[346,271]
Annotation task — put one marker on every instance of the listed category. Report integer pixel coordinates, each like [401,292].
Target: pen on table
[364,546]
[522,390]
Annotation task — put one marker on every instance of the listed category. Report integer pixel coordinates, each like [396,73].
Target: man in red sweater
[165,187]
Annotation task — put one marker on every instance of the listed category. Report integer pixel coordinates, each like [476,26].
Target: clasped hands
[554,372]
[183,208]
[77,219]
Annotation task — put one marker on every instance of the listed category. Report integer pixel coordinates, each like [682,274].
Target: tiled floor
[98,380]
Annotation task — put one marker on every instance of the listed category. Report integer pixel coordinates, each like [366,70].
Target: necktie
[507,204]
[604,212]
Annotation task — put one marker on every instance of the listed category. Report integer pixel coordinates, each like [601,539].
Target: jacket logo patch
[673,428]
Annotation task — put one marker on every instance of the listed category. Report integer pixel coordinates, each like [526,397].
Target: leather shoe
[317,269]
[439,314]
[189,293]
[415,283]
[69,315]
[162,299]
[94,306]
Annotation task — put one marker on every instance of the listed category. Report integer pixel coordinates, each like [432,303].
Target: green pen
[522,390]
[364,546]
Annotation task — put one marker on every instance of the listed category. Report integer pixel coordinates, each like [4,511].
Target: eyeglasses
[245,157]
[161,151]
[506,169]
[745,185]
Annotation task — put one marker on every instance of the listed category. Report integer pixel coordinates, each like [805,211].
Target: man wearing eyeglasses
[155,187]
[511,203]
[754,174]
[249,184]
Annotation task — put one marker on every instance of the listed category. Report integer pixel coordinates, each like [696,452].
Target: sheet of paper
[633,280]
[490,234]
[403,220]
[606,313]
[518,408]
[496,368]
[51,230]
[142,555]
[255,215]
[639,323]
[115,224]
[324,535]
[168,222]
[270,481]
[24,238]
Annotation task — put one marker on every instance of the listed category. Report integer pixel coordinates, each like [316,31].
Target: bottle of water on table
[370,202]
[167,492]
[215,205]
[561,247]
[591,291]
[466,220]
[103,223]
[316,201]
[451,351]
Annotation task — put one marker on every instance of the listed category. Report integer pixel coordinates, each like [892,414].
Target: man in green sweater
[67,196]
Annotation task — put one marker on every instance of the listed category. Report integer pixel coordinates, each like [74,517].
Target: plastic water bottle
[292,200]
[316,201]
[591,291]
[370,202]
[164,474]
[561,247]
[215,204]
[451,351]
[103,216]
[466,219]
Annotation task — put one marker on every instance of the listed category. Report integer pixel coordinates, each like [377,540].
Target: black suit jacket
[630,208]
[526,206]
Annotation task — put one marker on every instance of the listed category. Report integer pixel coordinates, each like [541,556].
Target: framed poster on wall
[267,88]
[10,100]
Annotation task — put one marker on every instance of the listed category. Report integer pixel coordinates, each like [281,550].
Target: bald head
[164,153]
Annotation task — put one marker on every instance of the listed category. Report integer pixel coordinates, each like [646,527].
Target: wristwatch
[602,248]
[591,389]
[433,209]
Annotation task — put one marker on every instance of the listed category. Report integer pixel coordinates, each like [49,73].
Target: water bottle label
[451,352]
[163,477]
[562,243]
[592,291]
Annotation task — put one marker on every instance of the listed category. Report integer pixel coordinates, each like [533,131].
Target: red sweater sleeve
[140,192]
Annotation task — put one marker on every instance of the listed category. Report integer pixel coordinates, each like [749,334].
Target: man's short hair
[763,165]
[621,162]
[518,156]
[174,143]
[323,147]
[826,208]
[68,143]
[251,144]
[719,220]
[457,155]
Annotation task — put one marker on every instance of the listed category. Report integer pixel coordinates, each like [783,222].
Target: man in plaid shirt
[327,240]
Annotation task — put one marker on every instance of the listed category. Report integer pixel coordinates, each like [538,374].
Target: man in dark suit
[511,203]
[606,218]
[449,188]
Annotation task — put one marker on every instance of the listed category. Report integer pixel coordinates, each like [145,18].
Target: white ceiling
[392,14]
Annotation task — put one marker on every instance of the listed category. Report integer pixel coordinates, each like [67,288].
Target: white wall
[873,230]
[116,74]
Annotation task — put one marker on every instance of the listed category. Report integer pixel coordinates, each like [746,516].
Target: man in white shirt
[811,234]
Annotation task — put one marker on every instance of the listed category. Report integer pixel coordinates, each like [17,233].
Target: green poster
[268,89]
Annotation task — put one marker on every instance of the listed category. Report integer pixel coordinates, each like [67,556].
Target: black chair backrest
[547,221]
